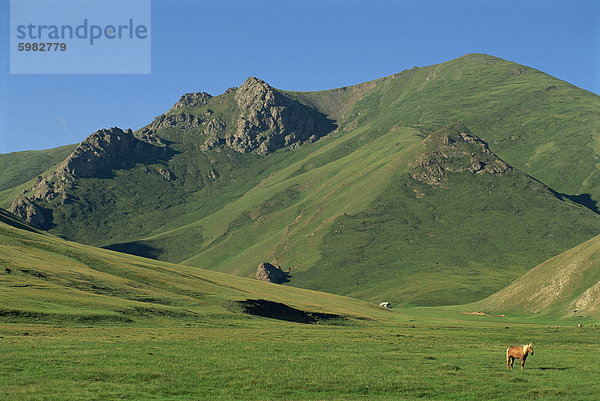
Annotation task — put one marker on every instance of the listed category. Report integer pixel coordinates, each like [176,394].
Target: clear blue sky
[297,45]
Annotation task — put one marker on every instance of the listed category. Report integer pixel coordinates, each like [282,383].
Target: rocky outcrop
[192,100]
[258,119]
[455,149]
[271,273]
[30,212]
[181,120]
[101,150]
[269,120]
[104,149]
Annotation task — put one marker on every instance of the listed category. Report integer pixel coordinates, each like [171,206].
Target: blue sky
[296,45]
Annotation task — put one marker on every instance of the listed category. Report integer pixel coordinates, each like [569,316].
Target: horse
[518,352]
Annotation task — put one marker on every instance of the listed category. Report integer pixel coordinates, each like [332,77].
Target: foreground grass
[267,359]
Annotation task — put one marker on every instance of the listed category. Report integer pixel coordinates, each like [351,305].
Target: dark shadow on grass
[553,368]
[276,310]
[584,200]
[137,248]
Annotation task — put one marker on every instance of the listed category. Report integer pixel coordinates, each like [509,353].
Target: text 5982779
[41,47]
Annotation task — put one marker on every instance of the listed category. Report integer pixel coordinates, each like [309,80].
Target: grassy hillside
[537,123]
[48,280]
[567,285]
[387,236]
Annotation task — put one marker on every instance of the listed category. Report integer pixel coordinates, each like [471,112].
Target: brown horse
[518,352]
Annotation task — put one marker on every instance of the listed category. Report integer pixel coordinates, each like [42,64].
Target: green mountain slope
[338,187]
[567,285]
[47,280]
[386,235]
[539,124]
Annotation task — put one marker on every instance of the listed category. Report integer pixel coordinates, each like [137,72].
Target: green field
[408,356]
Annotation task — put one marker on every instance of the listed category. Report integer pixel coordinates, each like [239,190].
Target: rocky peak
[192,100]
[100,150]
[255,91]
[455,149]
[265,119]
[269,120]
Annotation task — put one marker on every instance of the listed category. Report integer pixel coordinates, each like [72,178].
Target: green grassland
[82,323]
[46,279]
[271,360]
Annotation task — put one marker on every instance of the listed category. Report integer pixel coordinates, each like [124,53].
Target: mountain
[567,285]
[432,186]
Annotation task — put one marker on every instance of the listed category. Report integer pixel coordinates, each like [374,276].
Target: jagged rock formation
[29,211]
[455,149]
[270,120]
[271,273]
[192,100]
[106,148]
[182,120]
[262,119]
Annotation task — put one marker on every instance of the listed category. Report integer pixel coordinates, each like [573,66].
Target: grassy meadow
[409,356]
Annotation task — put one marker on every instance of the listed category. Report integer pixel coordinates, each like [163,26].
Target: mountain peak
[254,81]
[253,91]
[192,100]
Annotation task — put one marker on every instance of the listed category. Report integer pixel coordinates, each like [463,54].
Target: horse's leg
[511,362]
[523,361]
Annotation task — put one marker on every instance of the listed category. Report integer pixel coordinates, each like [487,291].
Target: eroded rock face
[455,149]
[182,120]
[104,149]
[271,273]
[263,120]
[192,100]
[30,212]
[269,120]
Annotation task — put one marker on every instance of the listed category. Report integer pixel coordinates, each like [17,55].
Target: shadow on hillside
[584,200]
[137,248]
[276,310]
[144,154]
